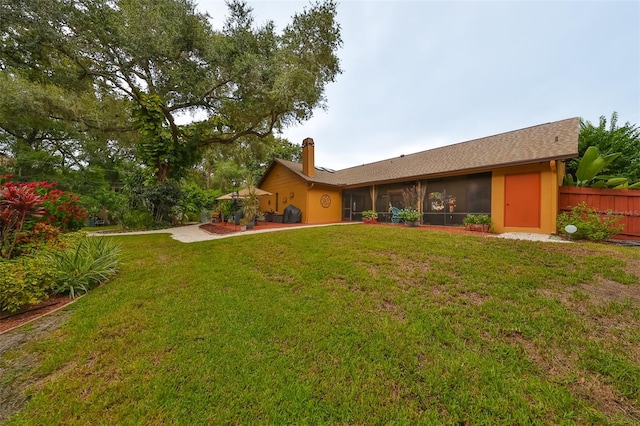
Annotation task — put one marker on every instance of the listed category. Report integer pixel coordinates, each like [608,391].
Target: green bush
[477,219]
[409,215]
[369,214]
[71,263]
[591,226]
[87,264]
[138,219]
[25,281]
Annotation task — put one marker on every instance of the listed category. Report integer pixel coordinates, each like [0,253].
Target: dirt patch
[14,369]
[561,366]
[390,307]
[610,291]
[592,302]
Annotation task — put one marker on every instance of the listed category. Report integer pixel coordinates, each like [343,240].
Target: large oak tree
[149,65]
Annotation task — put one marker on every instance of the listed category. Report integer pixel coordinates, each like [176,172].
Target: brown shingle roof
[545,142]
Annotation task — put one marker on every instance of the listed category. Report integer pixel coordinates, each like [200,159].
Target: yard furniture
[395,215]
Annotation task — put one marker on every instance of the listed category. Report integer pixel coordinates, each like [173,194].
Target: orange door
[522,200]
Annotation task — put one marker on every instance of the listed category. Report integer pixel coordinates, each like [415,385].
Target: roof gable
[552,141]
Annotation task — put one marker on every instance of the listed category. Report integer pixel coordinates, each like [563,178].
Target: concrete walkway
[531,237]
[193,233]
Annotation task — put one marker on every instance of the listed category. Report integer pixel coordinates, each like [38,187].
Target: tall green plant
[92,261]
[590,166]
[608,136]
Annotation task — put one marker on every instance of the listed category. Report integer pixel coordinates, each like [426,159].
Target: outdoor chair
[395,215]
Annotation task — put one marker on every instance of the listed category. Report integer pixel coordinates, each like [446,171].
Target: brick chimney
[308,162]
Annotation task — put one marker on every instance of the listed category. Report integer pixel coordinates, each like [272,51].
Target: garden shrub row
[39,256]
[25,281]
[71,267]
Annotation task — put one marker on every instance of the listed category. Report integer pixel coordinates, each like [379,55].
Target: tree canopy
[609,139]
[157,71]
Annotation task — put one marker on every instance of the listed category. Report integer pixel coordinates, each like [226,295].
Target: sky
[422,74]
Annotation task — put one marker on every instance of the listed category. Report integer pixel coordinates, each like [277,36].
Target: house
[513,176]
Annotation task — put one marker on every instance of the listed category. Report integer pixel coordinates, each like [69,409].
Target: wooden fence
[622,202]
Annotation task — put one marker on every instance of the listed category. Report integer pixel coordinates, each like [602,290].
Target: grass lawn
[347,325]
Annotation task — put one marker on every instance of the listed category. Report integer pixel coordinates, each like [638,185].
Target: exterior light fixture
[570,229]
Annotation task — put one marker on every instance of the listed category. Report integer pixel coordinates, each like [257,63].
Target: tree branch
[228,138]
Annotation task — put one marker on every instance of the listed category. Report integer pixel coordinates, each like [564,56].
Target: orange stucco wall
[289,188]
[549,183]
[317,208]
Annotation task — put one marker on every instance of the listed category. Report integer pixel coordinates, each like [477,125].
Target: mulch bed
[222,229]
[9,321]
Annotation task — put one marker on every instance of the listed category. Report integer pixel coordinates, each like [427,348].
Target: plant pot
[369,220]
[243,227]
[412,223]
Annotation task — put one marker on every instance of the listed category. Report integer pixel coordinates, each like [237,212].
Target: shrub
[25,281]
[591,225]
[138,219]
[369,214]
[40,236]
[18,204]
[90,262]
[409,215]
[55,207]
[225,208]
[477,219]
[63,210]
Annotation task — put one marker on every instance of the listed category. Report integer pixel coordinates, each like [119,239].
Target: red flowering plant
[18,204]
[63,210]
[60,209]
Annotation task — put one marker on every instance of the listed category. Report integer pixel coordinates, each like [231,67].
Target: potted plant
[369,216]
[410,216]
[477,222]
[251,207]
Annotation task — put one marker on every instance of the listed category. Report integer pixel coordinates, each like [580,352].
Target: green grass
[348,325]
[102,228]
